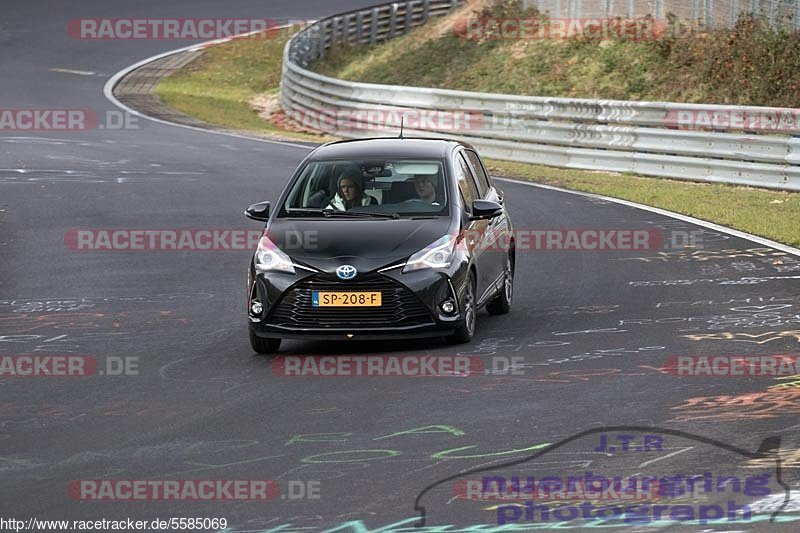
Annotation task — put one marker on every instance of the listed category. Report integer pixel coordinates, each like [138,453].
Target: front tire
[466,330]
[262,345]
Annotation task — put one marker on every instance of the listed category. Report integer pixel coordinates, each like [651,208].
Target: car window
[407,187]
[480,173]
[466,182]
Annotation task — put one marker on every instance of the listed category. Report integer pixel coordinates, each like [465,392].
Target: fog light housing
[256,308]
[448,307]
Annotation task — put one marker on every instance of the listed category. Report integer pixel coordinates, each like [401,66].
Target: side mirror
[485,209]
[258,212]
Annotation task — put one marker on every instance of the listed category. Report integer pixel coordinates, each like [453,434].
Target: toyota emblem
[346,272]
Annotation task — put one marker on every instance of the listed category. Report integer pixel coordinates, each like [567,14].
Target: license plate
[345,299]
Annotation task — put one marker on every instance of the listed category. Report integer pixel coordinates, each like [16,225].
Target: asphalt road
[593,331]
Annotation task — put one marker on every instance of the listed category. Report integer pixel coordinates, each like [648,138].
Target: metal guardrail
[755,147]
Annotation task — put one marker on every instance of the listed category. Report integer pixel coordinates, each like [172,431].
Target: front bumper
[410,306]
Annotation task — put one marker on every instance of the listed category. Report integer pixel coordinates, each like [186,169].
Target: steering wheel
[415,201]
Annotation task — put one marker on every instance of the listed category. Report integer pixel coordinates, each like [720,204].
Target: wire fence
[709,13]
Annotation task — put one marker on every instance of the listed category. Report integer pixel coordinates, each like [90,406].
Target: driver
[350,192]
[426,188]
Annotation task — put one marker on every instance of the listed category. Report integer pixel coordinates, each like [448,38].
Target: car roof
[386,147]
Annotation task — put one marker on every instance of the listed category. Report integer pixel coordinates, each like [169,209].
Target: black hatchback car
[381,239]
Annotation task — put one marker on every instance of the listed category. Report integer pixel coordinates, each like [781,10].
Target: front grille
[400,308]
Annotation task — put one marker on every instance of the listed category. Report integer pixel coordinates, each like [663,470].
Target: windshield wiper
[334,213]
[360,214]
[307,210]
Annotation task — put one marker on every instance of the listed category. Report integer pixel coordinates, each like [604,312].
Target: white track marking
[664,212]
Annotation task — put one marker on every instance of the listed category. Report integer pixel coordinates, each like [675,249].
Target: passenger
[426,188]
[350,192]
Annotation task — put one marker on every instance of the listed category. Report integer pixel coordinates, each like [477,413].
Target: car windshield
[363,188]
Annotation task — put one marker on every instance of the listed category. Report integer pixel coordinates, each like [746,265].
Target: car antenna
[402,117]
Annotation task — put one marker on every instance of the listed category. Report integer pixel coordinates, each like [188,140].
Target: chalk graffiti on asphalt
[755,338]
[755,405]
[730,301]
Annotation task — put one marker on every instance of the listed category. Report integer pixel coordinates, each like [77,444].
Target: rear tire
[466,330]
[502,304]
[263,345]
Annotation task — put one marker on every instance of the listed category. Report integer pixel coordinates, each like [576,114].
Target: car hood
[367,244]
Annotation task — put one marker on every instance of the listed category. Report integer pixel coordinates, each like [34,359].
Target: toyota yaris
[381,239]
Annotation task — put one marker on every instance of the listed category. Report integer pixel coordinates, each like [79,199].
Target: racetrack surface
[594,329]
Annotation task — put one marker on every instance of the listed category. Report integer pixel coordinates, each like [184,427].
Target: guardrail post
[409,14]
[359,27]
[773,12]
[709,19]
[574,9]
[346,27]
[373,31]
[426,6]
[393,21]
[630,9]
[323,34]
[734,13]
[300,51]
[607,8]
[335,29]
[797,14]
[658,9]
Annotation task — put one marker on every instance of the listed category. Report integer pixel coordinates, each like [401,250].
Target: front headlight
[438,254]
[271,258]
